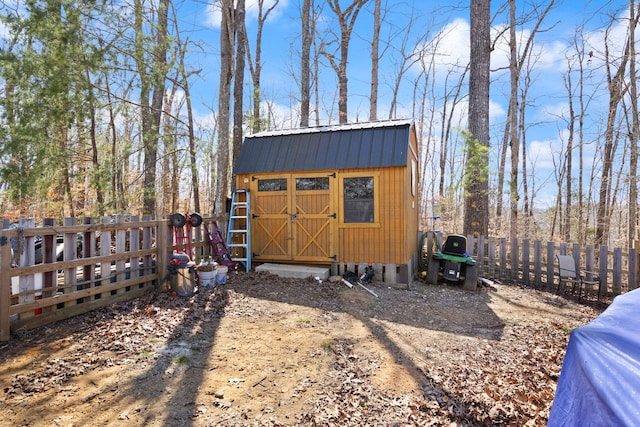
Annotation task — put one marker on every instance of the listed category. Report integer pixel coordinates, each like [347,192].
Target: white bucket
[207,278]
[221,274]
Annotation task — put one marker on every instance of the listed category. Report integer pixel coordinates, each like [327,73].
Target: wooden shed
[338,195]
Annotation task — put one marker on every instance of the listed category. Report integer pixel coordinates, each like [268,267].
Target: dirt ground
[267,351]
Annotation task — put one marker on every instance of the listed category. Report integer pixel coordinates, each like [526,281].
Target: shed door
[294,218]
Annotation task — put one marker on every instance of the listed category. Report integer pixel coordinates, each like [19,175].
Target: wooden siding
[384,243]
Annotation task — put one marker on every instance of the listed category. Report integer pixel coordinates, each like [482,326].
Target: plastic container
[221,274]
[207,278]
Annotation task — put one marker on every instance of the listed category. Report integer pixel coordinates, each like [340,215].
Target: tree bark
[305,70]
[375,60]
[476,209]
[635,129]
[224,101]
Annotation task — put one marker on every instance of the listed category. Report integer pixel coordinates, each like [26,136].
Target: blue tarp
[599,383]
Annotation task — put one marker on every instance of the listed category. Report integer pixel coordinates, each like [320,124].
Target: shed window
[358,200]
[321,183]
[277,184]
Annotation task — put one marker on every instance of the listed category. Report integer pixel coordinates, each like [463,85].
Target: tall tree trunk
[305,57]
[346,20]
[238,85]
[255,66]
[97,182]
[635,129]
[476,204]
[224,101]
[375,60]
[569,157]
[514,139]
[152,84]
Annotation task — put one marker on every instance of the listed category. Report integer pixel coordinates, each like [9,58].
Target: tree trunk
[305,71]
[514,140]
[255,66]
[347,20]
[238,85]
[476,209]
[151,110]
[569,157]
[224,101]
[635,129]
[375,60]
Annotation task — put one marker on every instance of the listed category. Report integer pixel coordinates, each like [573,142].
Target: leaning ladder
[238,231]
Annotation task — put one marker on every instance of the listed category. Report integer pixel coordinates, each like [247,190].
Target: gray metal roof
[360,145]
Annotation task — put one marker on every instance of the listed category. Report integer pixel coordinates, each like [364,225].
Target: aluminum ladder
[239,229]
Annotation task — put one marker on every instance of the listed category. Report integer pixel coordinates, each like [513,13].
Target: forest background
[140,106]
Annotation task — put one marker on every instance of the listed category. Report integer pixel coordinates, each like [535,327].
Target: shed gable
[356,146]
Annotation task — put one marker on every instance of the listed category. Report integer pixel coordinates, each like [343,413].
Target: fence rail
[56,271]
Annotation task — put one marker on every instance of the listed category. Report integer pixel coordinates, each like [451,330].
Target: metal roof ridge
[334,128]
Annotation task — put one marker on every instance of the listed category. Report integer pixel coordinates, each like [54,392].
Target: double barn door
[294,217]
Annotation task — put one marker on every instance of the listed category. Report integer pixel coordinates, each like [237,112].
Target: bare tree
[409,56]
[617,89]
[346,20]
[255,66]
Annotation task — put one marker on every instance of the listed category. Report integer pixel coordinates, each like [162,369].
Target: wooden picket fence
[121,257]
[56,271]
[606,272]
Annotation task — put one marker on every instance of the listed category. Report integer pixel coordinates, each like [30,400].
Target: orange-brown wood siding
[385,243]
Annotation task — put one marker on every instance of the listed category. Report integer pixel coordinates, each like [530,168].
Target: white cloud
[541,154]
[213,16]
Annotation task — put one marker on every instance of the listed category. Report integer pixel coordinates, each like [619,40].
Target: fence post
[537,262]
[147,243]
[26,249]
[576,251]
[492,257]
[162,256]
[105,250]
[603,262]
[515,259]
[134,245]
[632,268]
[480,255]
[550,266]
[503,258]
[525,262]
[88,251]
[121,246]
[617,271]
[49,255]
[5,282]
[70,254]
[589,263]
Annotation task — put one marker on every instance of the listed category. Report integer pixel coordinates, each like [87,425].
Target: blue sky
[445,24]
[441,25]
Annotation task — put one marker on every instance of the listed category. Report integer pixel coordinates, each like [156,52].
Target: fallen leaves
[491,357]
